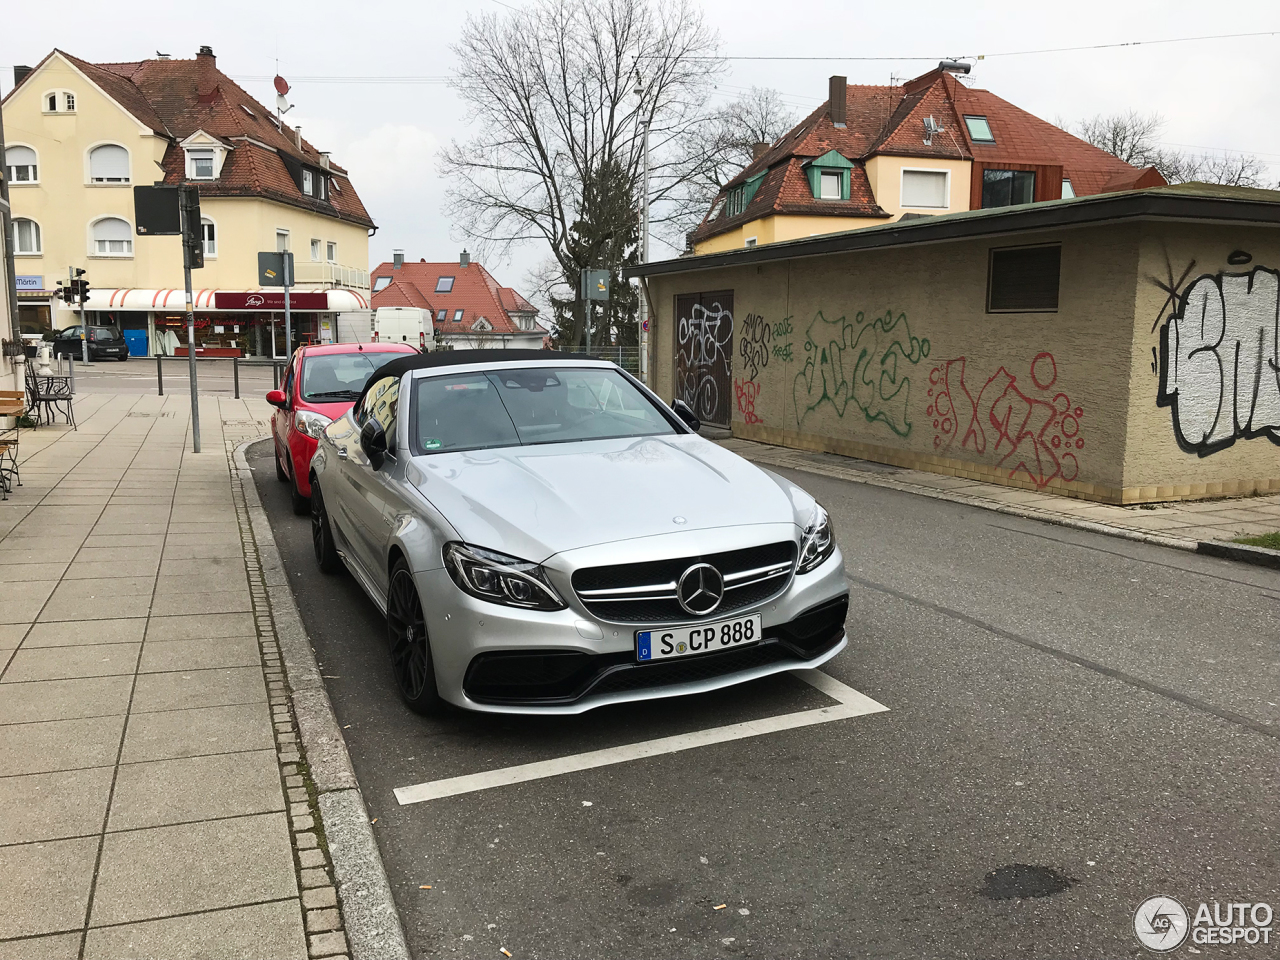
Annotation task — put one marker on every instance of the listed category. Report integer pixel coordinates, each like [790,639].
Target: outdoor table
[9,407]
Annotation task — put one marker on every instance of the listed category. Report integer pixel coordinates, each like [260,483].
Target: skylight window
[381,283]
[979,130]
[441,314]
[457,316]
[444,285]
[248,111]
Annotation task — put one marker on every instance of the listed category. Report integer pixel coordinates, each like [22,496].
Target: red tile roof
[176,98]
[475,292]
[883,120]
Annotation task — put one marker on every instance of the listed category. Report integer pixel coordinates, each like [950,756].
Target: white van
[410,325]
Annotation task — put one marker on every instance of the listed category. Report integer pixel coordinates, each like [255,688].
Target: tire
[124,357]
[322,534]
[301,505]
[411,662]
[280,472]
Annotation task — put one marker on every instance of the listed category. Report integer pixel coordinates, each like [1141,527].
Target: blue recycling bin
[137,341]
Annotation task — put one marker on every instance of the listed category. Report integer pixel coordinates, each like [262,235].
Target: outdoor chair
[48,395]
[12,403]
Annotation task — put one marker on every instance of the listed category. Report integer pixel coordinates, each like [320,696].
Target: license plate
[702,638]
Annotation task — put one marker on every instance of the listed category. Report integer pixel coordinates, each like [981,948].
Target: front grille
[646,592]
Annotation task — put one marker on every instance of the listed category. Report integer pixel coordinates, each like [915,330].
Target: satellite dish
[283,105]
[282,85]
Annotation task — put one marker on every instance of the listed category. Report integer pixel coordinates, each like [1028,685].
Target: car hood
[537,501]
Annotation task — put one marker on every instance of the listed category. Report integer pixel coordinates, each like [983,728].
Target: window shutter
[109,163]
[924,188]
[20,156]
[1024,279]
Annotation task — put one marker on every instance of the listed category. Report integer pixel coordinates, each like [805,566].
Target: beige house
[79,136]
[1123,347]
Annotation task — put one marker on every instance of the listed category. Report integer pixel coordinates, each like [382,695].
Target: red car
[321,384]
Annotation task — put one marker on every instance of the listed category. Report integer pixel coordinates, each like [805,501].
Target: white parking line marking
[849,703]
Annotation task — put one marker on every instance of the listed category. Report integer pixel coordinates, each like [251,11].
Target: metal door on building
[704,348]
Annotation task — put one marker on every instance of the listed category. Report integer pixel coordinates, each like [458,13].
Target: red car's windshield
[331,377]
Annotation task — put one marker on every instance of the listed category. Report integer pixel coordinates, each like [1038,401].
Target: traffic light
[67,292]
[83,290]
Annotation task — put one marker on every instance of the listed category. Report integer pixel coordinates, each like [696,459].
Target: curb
[1258,556]
[373,927]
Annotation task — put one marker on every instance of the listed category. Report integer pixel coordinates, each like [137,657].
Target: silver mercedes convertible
[545,535]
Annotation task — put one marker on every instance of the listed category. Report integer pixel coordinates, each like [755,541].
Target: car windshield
[338,376]
[501,408]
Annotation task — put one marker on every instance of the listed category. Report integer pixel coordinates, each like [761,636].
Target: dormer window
[830,185]
[829,176]
[979,130]
[308,184]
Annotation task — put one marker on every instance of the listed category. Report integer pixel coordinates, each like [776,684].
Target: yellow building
[79,136]
[872,155]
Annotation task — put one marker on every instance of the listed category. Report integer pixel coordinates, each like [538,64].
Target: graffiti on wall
[1034,429]
[753,347]
[1220,358]
[704,345]
[863,362]
[746,391]
[782,348]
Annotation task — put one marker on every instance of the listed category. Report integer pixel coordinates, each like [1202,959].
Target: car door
[281,419]
[365,491]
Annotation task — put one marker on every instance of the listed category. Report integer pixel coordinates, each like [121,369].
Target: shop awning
[205,300]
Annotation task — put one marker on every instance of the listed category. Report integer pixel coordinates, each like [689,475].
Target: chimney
[758,150]
[397,259]
[297,137]
[838,91]
[20,74]
[206,52]
[324,159]
[465,259]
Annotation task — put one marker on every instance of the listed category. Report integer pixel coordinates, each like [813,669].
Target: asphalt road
[1104,710]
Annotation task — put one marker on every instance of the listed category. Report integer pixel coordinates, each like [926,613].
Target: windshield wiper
[345,394]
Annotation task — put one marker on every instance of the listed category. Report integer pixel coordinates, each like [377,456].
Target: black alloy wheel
[410,649]
[322,533]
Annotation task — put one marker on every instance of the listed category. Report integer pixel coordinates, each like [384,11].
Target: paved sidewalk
[153,800]
[1190,521]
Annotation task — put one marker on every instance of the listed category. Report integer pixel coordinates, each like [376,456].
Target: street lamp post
[642,335]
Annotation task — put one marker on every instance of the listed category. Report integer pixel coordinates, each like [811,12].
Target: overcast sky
[1214,94]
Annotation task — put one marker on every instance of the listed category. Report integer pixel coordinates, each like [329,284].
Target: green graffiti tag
[858,361]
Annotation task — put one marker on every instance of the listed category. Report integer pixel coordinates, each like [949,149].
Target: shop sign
[29,282]
[270,300]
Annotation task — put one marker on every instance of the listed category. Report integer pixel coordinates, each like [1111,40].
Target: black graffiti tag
[754,345]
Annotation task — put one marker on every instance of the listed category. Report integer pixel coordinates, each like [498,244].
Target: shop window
[924,188]
[1024,279]
[112,237]
[26,237]
[209,237]
[1007,188]
[109,163]
[22,165]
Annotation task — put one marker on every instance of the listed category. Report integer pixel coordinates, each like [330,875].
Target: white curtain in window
[209,235]
[109,164]
[112,235]
[924,188]
[26,236]
[21,162]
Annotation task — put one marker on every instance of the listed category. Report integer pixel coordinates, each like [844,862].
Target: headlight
[819,541]
[312,424]
[499,578]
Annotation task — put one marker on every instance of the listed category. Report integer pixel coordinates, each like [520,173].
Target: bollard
[160,372]
[235,375]
[72,360]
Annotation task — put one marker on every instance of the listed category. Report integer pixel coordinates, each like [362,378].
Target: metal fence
[628,358]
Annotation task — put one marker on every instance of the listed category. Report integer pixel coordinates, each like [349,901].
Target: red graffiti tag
[746,392]
[1030,434]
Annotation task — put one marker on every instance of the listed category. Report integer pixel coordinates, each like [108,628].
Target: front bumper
[498,659]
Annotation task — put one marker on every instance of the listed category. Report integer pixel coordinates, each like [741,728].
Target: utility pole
[642,314]
[184,211]
[288,323]
[84,333]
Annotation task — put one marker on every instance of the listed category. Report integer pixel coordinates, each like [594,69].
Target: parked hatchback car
[105,343]
[545,535]
[320,385]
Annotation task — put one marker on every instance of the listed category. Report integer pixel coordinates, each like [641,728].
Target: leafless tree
[1134,138]
[557,92]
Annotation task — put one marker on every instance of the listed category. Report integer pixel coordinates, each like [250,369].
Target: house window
[331,252]
[979,130]
[69,99]
[282,241]
[112,237]
[749,242]
[315,249]
[209,236]
[307,184]
[109,163]
[201,164]
[925,188]
[444,285]
[26,237]
[60,101]
[381,283]
[457,316]
[22,164]
[1067,191]
[441,314]
[1007,188]
[830,185]
[1024,279]
[52,103]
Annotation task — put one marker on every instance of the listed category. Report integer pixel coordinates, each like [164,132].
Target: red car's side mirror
[276,399]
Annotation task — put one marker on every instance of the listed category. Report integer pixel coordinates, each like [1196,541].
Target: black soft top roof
[461,358]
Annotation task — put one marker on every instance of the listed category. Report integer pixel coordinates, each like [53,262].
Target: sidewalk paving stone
[200,627]
[264,930]
[92,588]
[162,871]
[225,601]
[74,633]
[25,604]
[71,803]
[45,746]
[198,732]
[195,788]
[45,886]
[107,607]
[64,699]
[65,663]
[166,656]
[183,690]
[58,946]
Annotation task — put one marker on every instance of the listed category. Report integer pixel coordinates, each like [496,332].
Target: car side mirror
[685,413]
[276,399]
[373,441]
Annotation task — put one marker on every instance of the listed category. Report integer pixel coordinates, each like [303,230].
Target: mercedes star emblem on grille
[700,589]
